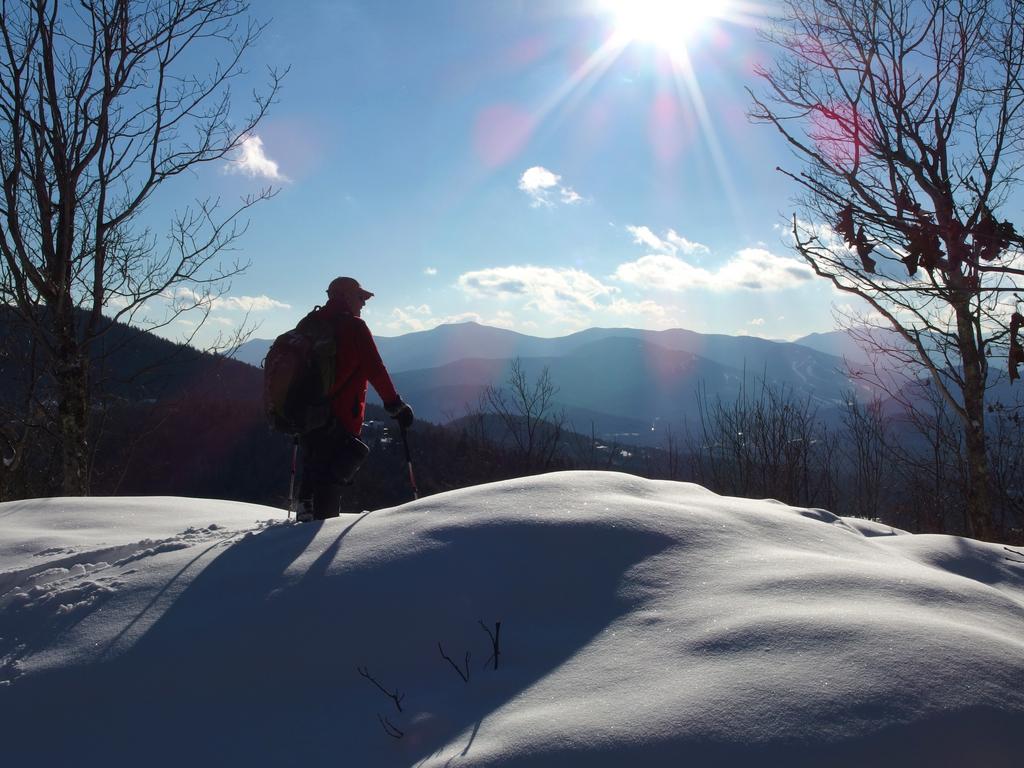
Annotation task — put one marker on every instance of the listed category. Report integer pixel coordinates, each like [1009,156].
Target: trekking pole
[408,465]
[291,485]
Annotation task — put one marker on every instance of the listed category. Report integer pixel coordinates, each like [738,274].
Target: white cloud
[570,196]
[430,271]
[1012,258]
[672,244]
[666,272]
[528,298]
[544,188]
[646,313]
[249,303]
[251,160]
[753,269]
[682,245]
[566,294]
[538,179]
[757,269]
[114,301]
[183,296]
[506,319]
[421,318]
[758,321]
[422,309]
[851,315]
[645,236]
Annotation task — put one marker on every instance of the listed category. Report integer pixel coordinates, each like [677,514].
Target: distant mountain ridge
[452,342]
[620,381]
[845,344]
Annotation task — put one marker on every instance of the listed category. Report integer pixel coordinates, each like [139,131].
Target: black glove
[401,412]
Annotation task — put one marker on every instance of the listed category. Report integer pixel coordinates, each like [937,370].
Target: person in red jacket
[332,455]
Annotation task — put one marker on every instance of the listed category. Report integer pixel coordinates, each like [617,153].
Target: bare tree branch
[390,728]
[907,115]
[495,637]
[464,674]
[393,695]
[98,110]
[529,415]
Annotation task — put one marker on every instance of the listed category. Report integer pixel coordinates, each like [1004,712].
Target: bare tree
[765,443]
[529,415]
[907,115]
[931,464]
[1007,456]
[865,443]
[19,382]
[589,451]
[101,103]
[673,454]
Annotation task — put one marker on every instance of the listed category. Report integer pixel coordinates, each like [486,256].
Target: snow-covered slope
[642,623]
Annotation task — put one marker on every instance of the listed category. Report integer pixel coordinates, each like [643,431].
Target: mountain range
[620,382]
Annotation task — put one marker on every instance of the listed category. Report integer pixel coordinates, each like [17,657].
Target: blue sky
[527,164]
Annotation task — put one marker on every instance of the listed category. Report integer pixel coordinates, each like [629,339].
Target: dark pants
[330,456]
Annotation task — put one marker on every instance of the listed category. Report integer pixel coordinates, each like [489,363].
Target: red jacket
[358,362]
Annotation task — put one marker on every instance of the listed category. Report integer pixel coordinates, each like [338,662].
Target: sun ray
[582,80]
[673,27]
[688,89]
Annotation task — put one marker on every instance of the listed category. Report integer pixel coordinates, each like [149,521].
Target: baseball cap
[345,285]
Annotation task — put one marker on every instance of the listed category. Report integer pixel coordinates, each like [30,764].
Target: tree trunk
[979,511]
[72,380]
[73,423]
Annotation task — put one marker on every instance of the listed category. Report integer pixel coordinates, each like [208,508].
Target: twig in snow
[1015,552]
[463,675]
[395,697]
[495,641]
[389,728]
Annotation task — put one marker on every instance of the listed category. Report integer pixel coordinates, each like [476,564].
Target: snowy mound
[642,623]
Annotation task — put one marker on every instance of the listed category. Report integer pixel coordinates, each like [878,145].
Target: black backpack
[298,376]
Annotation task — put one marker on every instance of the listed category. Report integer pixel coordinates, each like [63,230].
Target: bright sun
[664,23]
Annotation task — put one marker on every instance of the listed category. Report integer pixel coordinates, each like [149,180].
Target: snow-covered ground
[643,623]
